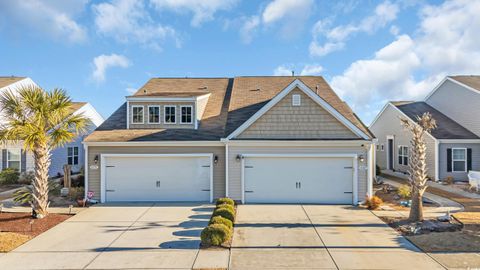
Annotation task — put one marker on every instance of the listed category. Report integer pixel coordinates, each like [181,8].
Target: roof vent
[255,90]
[144,91]
[203,88]
[316,88]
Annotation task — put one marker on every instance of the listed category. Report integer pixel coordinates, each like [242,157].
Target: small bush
[76,193]
[227,206]
[221,220]
[9,176]
[378,171]
[26,178]
[449,180]
[404,191]
[78,181]
[215,235]
[373,202]
[224,212]
[225,201]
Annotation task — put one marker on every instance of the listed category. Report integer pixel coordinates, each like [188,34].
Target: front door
[390,154]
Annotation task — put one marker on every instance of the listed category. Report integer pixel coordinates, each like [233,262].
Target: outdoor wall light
[215,159]
[361,158]
[239,157]
[95,159]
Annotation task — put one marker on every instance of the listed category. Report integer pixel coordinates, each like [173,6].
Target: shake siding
[218,169]
[389,124]
[458,103]
[162,115]
[458,176]
[309,120]
[235,170]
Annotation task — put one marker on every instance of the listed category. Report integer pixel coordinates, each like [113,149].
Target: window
[72,155]
[153,114]
[459,159]
[137,114]
[170,115]
[403,155]
[13,158]
[378,147]
[186,117]
[296,100]
[382,147]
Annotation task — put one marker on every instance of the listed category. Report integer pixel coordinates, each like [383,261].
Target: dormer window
[186,115]
[169,114]
[153,114]
[137,114]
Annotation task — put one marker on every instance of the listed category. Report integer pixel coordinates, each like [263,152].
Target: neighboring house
[254,139]
[72,153]
[453,148]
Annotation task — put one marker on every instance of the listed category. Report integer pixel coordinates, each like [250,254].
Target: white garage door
[157,178]
[298,180]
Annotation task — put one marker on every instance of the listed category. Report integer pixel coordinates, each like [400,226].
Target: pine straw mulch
[18,228]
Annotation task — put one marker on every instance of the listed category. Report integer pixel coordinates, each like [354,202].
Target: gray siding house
[253,139]
[453,147]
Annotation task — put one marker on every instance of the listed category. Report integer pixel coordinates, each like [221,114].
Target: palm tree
[42,121]
[418,162]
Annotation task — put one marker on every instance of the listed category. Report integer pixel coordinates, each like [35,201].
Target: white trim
[459,141]
[437,161]
[86,169]
[393,152]
[191,116]
[103,158]
[196,114]
[308,92]
[165,114]
[128,114]
[402,155]
[157,143]
[353,156]
[14,87]
[454,81]
[226,168]
[297,142]
[395,107]
[159,114]
[166,99]
[19,157]
[378,115]
[296,100]
[143,114]
[370,162]
[464,160]
[73,155]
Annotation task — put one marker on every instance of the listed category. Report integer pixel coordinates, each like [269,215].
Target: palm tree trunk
[40,183]
[416,210]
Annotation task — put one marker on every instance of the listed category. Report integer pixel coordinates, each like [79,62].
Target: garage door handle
[205,189]
[109,166]
[110,190]
[248,167]
[348,167]
[348,192]
[248,191]
[206,166]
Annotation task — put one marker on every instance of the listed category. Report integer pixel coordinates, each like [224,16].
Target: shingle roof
[231,103]
[6,81]
[470,80]
[446,127]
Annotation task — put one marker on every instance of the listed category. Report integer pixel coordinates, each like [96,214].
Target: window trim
[165,114]
[19,158]
[143,114]
[464,160]
[159,114]
[191,118]
[73,155]
[296,100]
[402,155]
[382,147]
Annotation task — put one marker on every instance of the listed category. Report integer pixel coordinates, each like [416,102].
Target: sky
[369,51]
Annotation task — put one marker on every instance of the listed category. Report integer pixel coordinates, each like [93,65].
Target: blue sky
[369,51]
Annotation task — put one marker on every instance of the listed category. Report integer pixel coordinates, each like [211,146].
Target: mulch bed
[23,223]
[393,200]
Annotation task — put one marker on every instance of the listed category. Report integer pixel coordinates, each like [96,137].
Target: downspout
[85,147]
[225,141]
[437,166]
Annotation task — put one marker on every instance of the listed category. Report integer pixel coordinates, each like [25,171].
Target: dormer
[166,110]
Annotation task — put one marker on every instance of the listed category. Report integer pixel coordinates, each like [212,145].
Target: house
[254,139]
[72,153]
[453,148]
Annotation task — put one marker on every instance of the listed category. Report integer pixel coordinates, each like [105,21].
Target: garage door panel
[158,178]
[298,180]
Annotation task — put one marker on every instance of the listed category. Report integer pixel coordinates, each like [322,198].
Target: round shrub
[224,212]
[374,202]
[215,235]
[226,206]
[221,220]
[404,191]
[9,176]
[225,201]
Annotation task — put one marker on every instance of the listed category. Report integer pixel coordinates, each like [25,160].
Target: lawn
[18,228]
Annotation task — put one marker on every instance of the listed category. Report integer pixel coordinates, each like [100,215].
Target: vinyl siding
[59,158]
[458,103]
[389,123]
[235,170]
[162,115]
[307,121]
[458,176]
[30,163]
[218,169]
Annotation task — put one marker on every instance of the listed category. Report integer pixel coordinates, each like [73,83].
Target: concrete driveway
[119,237]
[319,237]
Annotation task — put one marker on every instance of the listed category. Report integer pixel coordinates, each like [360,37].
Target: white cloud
[129,21]
[131,90]
[409,67]
[336,37]
[203,10]
[249,28]
[55,18]
[104,62]
[309,69]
